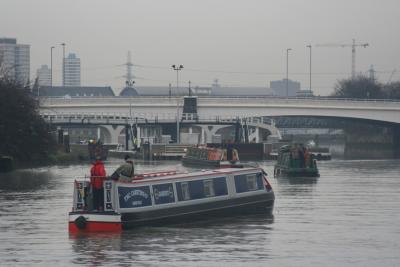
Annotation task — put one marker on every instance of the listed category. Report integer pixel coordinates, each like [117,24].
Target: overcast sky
[241,43]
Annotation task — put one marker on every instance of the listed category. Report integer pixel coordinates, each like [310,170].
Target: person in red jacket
[97,176]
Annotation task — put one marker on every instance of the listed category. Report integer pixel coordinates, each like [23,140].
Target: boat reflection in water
[170,197]
[182,242]
[297,180]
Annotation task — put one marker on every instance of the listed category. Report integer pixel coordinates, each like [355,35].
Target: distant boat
[295,161]
[170,197]
[96,149]
[209,157]
[6,163]
[321,153]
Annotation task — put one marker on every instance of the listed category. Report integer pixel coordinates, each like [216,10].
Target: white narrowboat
[169,197]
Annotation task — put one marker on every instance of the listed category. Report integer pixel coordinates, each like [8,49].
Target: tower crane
[353,53]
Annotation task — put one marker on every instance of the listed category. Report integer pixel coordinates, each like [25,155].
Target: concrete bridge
[211,111]
[164,108]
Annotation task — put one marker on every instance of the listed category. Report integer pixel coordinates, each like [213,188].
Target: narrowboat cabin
[211,157]
[163,198]
[295,161]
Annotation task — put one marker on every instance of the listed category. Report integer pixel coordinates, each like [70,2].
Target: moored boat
[210,157]
[169,197]
[6,163]
[295,161]
[97,149]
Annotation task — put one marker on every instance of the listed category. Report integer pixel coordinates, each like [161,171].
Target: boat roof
[174,176]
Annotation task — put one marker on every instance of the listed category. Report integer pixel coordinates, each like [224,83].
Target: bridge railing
[132,118]
[118,99]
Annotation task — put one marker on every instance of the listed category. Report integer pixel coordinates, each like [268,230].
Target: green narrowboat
[296,161]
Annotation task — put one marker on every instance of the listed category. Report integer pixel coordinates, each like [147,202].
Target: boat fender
[80,222]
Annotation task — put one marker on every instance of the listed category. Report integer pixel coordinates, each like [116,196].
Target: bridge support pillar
[207,131]
[255,136]
[114,131]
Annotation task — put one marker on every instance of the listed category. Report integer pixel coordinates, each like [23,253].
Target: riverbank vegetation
[366,88]
[24,135]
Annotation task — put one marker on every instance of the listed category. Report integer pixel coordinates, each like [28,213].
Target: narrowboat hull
[94,222]
[169,198]
[114,222]
[295,172]
[6,164]
[202,163]
[251,205]
[193,162]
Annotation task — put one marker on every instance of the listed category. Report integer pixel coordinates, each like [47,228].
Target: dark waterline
[350,216]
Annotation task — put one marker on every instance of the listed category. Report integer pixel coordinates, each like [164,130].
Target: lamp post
[63,67]
[309,46]
[177,69]
[51,66]
[287,71]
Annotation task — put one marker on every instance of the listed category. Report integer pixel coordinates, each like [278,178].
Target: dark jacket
[126,169]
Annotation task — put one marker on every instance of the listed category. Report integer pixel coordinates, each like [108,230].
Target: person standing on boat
[125,172]
[97,176]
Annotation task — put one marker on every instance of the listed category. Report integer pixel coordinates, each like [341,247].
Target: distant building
[15,59]
[304,93]
[75,91]
[44,76]
[128,91]
[279,87]
[201,90]
[72,69]
[241,91]
[196,91]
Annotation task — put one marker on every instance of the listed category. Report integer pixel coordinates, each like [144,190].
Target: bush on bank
[24,135]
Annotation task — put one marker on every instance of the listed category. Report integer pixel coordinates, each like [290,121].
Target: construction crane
[353,53]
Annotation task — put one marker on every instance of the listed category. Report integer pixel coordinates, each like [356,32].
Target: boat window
[251,182]
[196,189]
[248,182]
[220,187]
[133,197]
[201,188]
[163,193]
[208,188]
[185,191]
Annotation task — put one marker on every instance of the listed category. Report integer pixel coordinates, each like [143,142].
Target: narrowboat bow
[169,197]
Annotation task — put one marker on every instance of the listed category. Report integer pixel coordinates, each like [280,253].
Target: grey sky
[209,37]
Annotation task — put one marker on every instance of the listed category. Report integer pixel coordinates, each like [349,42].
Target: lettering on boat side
[134,197]
[163,193]
[158,194]
[108,196]
[135,193]
[108,185]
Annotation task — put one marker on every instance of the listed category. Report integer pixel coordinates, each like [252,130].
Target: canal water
[350,216]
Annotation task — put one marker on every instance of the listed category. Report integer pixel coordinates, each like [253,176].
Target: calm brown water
[350,216]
